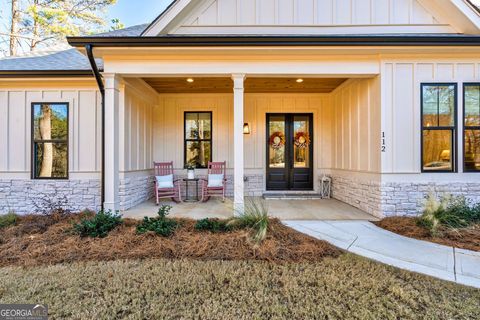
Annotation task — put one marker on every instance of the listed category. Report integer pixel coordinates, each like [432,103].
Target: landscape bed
[45,240]
[464,238]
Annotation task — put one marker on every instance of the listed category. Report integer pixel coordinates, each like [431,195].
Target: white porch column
[238,156]
[112,98]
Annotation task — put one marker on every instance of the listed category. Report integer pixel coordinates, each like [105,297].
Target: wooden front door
[289,151]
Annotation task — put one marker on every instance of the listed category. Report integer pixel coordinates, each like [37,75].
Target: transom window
[198,139]
[50,140]
[471,130]
[439,104]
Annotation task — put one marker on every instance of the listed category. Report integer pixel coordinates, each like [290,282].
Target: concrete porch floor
[316,209]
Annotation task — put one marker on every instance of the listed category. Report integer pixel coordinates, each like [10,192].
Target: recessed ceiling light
[190,80]
[299,80]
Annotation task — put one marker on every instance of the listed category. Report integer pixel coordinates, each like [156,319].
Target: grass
[346,287]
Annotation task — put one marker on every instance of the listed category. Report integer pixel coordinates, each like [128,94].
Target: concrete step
[291,196]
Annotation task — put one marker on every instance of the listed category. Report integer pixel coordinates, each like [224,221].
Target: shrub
[8,219]
[254,217]
[99,225]
[448,212]
[161,225]
[213,225]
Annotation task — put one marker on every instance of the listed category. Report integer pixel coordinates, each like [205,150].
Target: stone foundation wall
[30,196]
[361,194]
[405,198]
[135,190]
[385,199]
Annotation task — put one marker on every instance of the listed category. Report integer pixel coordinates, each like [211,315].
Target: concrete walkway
[366,239]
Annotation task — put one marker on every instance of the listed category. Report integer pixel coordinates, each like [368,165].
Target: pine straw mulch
[466,238]
[37,240]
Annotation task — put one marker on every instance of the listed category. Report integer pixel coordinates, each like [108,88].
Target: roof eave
[327,40]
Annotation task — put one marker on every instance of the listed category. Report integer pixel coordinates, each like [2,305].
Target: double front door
[289,151]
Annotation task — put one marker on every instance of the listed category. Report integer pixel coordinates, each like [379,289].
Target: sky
[133,12]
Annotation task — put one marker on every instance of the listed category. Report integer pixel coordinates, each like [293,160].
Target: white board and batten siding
[309,17]
[401,115]
[137,127]
[341,140]
[84,129]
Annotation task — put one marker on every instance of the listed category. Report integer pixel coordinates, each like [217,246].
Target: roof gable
[224,17]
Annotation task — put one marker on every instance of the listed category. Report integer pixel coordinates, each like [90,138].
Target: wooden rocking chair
[216,182]
[164,170]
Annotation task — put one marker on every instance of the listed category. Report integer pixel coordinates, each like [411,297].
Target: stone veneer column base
[25,196]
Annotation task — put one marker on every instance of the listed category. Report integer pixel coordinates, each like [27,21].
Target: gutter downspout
[101,87]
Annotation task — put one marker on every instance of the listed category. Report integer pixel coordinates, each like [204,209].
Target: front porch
[315,209]
[197,119]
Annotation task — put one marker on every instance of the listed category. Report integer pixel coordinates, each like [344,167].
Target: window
[50,140]
[198,139]
[439,104]
[471,130]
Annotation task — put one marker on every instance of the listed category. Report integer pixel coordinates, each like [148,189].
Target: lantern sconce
[246,128]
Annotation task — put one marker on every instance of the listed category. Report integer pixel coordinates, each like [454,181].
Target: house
[383,96]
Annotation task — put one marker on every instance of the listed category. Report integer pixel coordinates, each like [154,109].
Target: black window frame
[33,141]
[464,127]
[185,140]
[453,129]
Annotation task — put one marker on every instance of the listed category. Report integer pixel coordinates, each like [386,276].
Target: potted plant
[190,171]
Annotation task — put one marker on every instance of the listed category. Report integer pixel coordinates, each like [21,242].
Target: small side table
[189,198]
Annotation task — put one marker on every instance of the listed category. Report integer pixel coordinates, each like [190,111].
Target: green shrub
[8,219]
[448,212]
[161,225]
[99,225]
[213,225]
[254,217]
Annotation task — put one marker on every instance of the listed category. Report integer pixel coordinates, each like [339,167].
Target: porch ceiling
[252,85]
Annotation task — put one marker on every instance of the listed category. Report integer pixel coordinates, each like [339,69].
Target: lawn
[343,287]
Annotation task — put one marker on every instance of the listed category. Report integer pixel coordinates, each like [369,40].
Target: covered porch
[309,209]
[147,115]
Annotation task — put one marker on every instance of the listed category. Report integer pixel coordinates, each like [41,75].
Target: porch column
[238,90]
[112,98]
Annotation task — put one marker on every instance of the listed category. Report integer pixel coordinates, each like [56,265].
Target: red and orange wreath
[277,140]
[302,140]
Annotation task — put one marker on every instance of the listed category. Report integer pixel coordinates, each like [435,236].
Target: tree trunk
[35,35]
[45,126]
[14,28]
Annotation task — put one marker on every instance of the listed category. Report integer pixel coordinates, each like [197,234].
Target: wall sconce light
[246,128]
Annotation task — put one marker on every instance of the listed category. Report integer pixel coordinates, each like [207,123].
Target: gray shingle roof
[63,60]
[134,31]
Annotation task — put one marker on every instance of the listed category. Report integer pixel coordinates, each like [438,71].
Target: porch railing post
[112,99]
[238,100]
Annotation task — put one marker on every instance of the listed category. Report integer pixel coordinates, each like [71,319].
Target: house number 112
[384,143]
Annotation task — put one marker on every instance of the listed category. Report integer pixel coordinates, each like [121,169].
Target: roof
[133,31]
[68,61]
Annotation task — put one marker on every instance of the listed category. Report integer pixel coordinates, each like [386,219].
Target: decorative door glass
[301,142]
[277,142]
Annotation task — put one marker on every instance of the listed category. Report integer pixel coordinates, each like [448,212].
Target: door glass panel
[276,142]
[302,140]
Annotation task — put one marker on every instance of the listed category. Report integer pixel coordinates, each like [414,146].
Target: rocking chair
[216,182]
[165,185]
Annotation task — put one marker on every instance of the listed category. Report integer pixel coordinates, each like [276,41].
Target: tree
[40,22]
[14,28]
